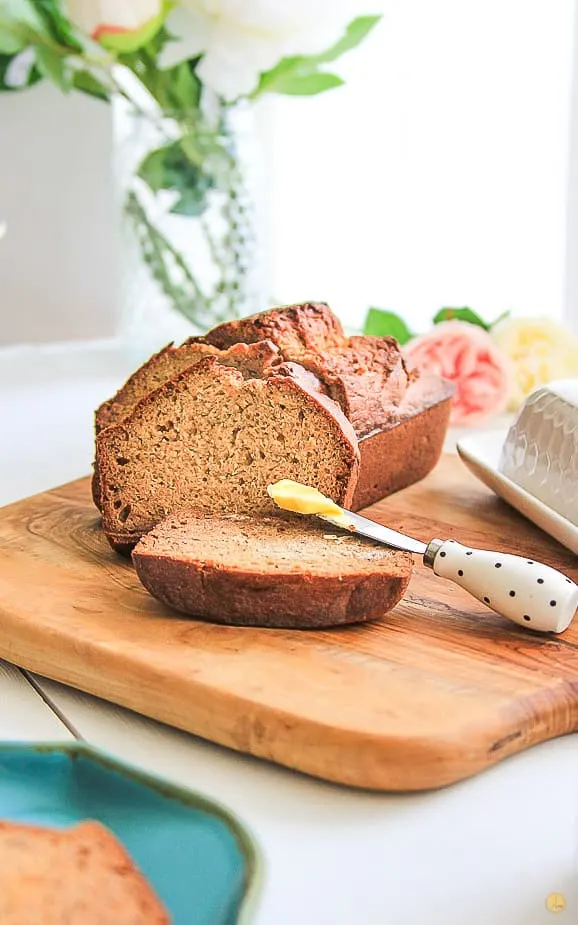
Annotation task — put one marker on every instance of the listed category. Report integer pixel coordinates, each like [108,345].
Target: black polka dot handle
[527,592]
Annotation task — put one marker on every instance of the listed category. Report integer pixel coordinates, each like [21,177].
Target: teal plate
[200,860]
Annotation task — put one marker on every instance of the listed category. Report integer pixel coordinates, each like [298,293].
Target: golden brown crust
[256,358]
[269,571]
[365,375]
[309,326]
[395,457]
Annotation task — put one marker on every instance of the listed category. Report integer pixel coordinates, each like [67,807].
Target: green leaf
[87,83]
[177,90]
[53,66]
[287,67]
[276,79]
[183,87]
[14,35]
[307,84]
[12,38]
[381,323]
[460,314]
[355,33]
[501,317]
[31,78]
[57,25]
[20,26]
[169,168]
[193,201]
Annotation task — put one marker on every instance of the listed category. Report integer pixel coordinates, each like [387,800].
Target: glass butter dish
[540,452]
[533,464]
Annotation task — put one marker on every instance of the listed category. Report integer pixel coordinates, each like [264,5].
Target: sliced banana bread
[367,376]
[77,875]
[255,359]
[273,571]
[213,440]
[171,360]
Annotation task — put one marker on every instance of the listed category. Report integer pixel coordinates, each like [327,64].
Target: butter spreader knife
[524,591]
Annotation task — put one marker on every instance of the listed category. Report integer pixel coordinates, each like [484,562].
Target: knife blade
[375,531]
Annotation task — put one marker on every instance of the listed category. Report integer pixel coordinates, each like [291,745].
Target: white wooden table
[484,852]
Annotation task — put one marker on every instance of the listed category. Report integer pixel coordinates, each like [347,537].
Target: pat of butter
[303,499]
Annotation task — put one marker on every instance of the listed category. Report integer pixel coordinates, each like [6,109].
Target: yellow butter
[303,499]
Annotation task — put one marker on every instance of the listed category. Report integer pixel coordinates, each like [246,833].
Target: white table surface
[487,851]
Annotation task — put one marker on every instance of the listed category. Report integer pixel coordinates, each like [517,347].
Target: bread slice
[366,375]
[213,440]
[171,360]
[255,359]
[274,571]
[82,874]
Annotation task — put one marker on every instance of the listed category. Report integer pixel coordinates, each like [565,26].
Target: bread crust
[367,376]
[290,593]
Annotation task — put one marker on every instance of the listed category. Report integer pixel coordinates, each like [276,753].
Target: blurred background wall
[58,259]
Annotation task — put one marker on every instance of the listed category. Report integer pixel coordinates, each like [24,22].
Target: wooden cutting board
[438,690]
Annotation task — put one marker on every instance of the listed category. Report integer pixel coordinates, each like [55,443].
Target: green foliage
[466,314]
[52,65]
[307,84]
[171,168]
[13,36]
[89,84]
[32,76]
[355,33]
[383,323]
[177,90]
[460,314]
[57,25]
[300,75]
[20,26]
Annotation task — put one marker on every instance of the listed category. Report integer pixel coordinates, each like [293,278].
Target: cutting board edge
[389,773]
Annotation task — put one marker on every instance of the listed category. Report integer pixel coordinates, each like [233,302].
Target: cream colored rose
[539,351]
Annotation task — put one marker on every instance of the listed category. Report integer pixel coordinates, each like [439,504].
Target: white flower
[240,39]
[111,17]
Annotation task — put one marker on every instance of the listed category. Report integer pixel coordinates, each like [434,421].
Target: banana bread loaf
[367,376]
[78,875]
[273,571]
[213,440]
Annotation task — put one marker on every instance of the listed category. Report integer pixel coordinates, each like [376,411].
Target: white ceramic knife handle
[522,590]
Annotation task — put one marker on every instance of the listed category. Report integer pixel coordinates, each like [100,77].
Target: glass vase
[191,248]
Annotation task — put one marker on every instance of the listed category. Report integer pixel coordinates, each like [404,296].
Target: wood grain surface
[435,692]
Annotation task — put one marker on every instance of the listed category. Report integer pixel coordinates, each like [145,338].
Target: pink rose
[466,355]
